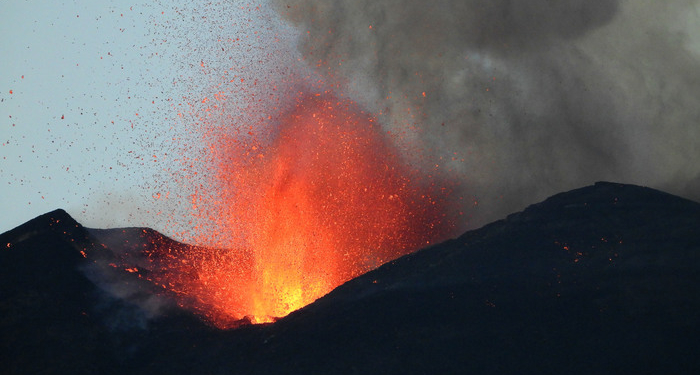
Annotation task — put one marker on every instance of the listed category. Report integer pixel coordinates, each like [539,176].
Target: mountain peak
[57,222]
[601,198]
[599,279]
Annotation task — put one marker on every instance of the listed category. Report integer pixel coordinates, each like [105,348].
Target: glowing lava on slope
[329,198]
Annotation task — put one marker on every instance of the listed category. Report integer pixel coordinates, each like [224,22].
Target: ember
[326,200]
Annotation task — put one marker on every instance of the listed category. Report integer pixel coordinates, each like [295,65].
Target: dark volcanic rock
[57,316]
[602,279]
[44,300]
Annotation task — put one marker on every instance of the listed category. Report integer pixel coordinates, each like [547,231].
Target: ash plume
[126,302]
[520,99]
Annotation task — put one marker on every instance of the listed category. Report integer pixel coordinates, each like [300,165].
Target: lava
[327,199]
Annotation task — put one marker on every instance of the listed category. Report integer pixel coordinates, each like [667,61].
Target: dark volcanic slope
[602,279]
[43,298]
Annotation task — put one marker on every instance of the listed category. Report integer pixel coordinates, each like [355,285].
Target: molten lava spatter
[330,200]
[326,200]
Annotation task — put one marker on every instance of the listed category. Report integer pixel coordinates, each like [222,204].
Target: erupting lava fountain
[326,199]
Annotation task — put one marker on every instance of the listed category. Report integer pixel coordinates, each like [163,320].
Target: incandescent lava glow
[326,199]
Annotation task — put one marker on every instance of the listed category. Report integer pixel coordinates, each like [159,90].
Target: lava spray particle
[328,199]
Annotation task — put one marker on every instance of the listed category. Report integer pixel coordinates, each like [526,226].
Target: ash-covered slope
[602,279]
[66,307]
[43,298]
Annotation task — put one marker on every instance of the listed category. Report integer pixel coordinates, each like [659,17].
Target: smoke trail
[521,99]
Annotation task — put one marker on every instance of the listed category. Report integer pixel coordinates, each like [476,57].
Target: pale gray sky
[90,92]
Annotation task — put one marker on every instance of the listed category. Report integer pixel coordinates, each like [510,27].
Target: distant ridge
[604,279]
[57,221]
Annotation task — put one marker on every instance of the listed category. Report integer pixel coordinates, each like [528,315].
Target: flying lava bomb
[327,199]
[310,187]
[299,144]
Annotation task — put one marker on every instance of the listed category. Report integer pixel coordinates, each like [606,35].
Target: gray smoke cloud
[125,302]
[535,96]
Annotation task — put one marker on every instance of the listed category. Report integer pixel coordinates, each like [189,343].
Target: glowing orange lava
[327,200]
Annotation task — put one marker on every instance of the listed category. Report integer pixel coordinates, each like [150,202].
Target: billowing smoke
[126,301]
[521,99]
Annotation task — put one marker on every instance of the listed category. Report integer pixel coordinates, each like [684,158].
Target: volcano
[603,279]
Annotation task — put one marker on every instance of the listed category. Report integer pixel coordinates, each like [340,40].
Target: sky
[517,100]
[520,100]
[92,96]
